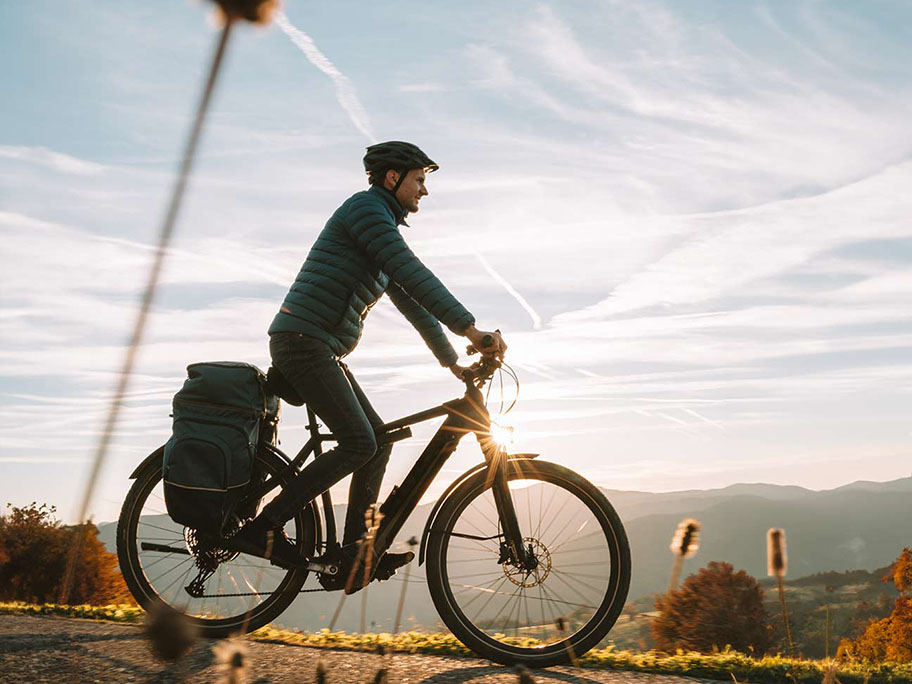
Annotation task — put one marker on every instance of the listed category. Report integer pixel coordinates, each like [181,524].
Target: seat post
[312,425]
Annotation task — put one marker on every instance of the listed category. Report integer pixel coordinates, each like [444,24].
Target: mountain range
[863,525]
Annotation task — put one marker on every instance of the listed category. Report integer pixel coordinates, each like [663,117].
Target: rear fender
[449,490]
[154,458]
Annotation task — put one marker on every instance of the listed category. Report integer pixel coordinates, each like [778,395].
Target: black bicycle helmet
[397,155]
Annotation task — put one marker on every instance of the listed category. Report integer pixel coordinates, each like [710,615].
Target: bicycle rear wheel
[546,616]
[159,559]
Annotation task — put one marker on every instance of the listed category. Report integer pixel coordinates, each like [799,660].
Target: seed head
[231,660]
[171,633]
[686,538]
[776,558]
[255,11]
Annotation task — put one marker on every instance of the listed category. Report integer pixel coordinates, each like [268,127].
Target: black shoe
[390,562]
[271,544]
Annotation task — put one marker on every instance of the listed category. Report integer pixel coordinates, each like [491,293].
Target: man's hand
[497,348]
[458,370]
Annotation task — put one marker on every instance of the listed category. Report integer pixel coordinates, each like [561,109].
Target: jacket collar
[398,212]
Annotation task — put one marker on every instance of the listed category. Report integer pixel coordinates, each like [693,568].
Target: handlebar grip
[486,341]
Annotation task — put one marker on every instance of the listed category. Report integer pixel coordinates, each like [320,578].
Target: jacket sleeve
[374,232]
[426,325]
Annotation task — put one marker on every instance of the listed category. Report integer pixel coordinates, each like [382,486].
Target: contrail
[536,319]
[345,92]
[703,418]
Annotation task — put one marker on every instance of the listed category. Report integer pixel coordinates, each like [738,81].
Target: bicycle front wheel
[553,613]
[160,559]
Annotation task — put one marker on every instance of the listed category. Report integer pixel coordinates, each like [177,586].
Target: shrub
[34,549]
[714,608]
[890,638]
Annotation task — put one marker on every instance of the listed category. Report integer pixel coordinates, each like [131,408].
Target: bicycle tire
[280,587]
[553,630]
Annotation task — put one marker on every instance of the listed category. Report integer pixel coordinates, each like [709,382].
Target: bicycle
[527,561]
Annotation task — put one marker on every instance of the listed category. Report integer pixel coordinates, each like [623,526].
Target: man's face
[412,189]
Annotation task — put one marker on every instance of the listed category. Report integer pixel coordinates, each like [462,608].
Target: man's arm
[424,322]
[378,236]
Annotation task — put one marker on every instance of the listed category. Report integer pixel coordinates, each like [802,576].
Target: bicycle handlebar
[482,370]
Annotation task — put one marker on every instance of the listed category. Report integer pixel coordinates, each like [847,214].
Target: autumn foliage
[890,638]
[714,608]
[34,549]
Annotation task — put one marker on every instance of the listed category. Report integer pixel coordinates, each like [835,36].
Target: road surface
[58,650]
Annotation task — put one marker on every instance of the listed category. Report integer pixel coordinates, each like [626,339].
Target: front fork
[512,547]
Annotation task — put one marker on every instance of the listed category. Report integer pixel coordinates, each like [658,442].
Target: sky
[691,221]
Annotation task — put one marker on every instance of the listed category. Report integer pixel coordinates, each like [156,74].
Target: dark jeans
[329,388]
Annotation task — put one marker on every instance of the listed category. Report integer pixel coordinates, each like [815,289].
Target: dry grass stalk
[145,305]
[777,566]
[525,677]
[171,634]
[561,624]
[684,544]
[412,542]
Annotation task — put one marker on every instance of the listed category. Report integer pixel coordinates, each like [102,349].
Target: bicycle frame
[463,416]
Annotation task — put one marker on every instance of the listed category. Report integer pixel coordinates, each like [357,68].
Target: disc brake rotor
[523,577]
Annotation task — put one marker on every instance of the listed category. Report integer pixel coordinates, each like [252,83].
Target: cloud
[422,88]
[53,160]
[345,92]
[728,250]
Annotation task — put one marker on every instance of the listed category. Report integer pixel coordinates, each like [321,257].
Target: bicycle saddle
[279,385]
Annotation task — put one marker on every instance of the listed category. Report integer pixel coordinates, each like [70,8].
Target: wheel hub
[540,564]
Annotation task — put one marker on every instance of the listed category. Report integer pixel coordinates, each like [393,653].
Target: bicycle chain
[259,593]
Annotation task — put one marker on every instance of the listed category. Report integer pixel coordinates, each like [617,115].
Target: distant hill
[861,526]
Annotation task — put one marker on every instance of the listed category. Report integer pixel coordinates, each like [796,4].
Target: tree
[890,638]
[902,572]
[34,550]
[714,608]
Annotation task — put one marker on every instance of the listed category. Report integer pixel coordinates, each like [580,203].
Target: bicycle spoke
[163,529]
[575,589]
[172,569]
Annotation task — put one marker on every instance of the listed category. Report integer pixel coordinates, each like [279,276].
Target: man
[359,255]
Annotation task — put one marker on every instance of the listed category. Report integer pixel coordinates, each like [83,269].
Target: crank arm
[323,568]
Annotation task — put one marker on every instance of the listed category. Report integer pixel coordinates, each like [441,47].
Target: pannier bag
[220,414]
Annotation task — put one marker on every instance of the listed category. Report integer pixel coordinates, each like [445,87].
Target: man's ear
[392,177]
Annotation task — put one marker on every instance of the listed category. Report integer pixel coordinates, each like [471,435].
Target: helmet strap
[402,175]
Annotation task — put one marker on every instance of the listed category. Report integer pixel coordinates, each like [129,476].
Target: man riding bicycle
[359,255]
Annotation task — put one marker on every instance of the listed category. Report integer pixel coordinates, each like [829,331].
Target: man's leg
[365,484]
[315,373]
[318,376]
[365,489]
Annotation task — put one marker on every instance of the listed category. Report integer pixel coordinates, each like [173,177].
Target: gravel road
[64,650]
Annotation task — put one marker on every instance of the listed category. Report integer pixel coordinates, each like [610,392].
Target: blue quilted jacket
[359,255]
